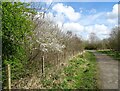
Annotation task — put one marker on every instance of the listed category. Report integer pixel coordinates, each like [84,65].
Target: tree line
[28,40]
[112,42]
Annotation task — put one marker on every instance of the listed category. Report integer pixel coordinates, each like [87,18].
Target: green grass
[79,74]
[114,54]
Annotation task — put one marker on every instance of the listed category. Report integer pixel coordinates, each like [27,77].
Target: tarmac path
[108,71]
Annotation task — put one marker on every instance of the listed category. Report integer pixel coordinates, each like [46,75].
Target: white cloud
[68,11]
[112,17]
[112,21]
[92,18]
[70,20]
[99,29]
[74,27]
[114,13]
[58,19]
[95,16]
[115,8]
[81,10]
[92,11]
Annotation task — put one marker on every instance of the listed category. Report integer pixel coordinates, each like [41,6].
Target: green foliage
[114,54]
[114,40]
[79,74]
[16,26]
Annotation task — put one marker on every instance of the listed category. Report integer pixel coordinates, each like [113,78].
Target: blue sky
[83,18]
[100,6]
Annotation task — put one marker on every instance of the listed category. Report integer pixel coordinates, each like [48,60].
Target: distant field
[114,54]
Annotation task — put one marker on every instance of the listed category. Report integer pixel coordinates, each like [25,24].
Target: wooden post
[73,53]
[43,70]
[64,55]
[57,58]
[9,77]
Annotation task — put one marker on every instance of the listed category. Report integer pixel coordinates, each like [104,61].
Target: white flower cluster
[46,37]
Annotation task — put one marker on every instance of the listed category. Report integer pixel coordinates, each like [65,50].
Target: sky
[83,18]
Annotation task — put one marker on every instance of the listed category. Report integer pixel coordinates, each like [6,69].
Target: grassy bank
[114,54]
[80,73]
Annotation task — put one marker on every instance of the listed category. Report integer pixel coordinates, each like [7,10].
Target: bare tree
[114,39]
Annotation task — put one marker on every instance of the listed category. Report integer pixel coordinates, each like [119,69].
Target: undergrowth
[79,74]
[114,54]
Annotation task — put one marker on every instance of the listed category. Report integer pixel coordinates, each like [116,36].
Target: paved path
[108,71]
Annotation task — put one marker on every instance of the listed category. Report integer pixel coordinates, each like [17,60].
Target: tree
[94,42]
[28,37]
[16,26]
[114,39]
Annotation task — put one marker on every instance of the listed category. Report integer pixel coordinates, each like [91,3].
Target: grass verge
[113,54]
[79,74]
